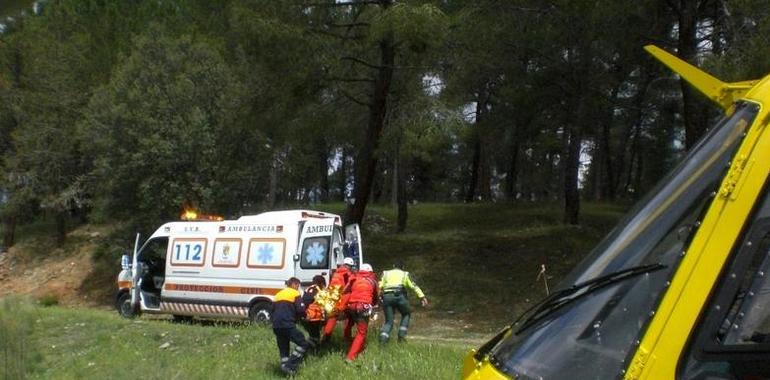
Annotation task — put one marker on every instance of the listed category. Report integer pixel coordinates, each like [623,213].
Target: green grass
[478,263]
[18,356]
[96,344]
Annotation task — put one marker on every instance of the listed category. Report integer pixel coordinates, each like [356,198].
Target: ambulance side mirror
[296,257]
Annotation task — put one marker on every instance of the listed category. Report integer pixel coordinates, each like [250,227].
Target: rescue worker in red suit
[340,278]
[364,294]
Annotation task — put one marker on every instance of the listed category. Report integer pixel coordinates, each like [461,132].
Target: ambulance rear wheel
[259,312]
[123,304]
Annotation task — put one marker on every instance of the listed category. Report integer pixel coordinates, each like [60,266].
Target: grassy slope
[478,263]
[86,343]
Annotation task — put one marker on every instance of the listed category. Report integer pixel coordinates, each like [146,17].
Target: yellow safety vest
[397,279]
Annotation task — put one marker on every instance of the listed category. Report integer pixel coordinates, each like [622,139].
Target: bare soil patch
[39,269]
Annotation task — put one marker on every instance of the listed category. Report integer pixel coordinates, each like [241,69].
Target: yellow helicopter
[680,289]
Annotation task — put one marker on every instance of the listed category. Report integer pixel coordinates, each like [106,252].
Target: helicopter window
[734,339]
[592,336]
[748,321]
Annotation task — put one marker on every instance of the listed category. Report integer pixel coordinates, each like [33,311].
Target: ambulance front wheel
[123,304]
[259,312]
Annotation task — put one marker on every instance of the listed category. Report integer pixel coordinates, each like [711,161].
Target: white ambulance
[231,268]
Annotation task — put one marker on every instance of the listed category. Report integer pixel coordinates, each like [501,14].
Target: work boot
[384,338]
[287,368]
[402,339]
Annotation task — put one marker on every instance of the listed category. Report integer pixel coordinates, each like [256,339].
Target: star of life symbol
[265,253]
[315,254]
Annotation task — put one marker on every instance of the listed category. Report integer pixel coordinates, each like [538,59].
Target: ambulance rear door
[354,244]
[313,255]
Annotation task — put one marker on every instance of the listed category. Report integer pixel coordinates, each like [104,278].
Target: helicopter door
[733,341]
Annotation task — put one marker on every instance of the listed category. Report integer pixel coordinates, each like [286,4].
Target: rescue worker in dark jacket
[313,313]
[340,278]
[394,285]
[287,309]
[364,294]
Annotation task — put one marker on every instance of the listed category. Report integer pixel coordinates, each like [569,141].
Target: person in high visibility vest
[287,309]
[394,285]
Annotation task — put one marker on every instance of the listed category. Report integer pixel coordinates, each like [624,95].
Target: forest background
[132,110]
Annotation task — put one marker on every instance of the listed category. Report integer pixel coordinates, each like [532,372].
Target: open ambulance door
[135,277]
[354,244]
[149,271]
[314,252]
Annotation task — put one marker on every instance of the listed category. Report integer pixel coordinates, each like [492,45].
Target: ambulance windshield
[592,336]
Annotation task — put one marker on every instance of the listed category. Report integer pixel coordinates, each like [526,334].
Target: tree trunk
[606,185]
[485,170]
[323,172]
[343,175]
[401,197]
[571,168]
[513,169]
[394,178]
[366,162]
[273,180]
[377,184]
[635,164]
[61,226]
[687,49]
[485,166]
[9,231]
[638,173]
[470,195]
[626,145]
[480,176]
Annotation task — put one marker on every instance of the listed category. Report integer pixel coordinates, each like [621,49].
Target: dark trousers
[283,337]
[390,303]
[313,329]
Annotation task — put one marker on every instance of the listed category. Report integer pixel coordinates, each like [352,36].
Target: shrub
[48,300]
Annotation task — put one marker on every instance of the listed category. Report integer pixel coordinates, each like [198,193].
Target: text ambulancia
[231,268]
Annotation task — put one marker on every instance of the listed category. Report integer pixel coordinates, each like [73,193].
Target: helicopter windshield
[591,337]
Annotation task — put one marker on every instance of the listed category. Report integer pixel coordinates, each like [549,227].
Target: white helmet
[348,261]
[366,268]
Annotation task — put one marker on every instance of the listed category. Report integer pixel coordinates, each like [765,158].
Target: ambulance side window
[315,253]
[733,339]
[337,243]
[155,251]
